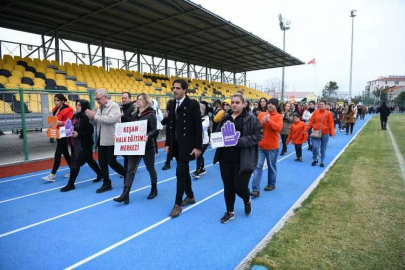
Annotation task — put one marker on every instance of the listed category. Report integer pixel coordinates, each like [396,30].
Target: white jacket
[159,114]
[205,127]
[306,116]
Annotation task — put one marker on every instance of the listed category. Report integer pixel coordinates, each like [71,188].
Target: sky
[320,30]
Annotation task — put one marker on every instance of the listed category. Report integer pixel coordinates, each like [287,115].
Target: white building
[384,82]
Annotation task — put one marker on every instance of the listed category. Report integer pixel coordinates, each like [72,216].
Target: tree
[400,100]
[383,92]
[330,91]
[273,85]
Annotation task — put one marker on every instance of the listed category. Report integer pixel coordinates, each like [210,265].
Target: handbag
[318,133]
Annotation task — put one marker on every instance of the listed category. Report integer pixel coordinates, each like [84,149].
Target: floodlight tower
[352,14]
[284,26]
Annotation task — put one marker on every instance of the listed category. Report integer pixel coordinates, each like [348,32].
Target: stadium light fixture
[284,26]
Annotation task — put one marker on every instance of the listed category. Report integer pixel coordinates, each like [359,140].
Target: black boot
[124,196]
[166,167]
[68,187]
[153,192]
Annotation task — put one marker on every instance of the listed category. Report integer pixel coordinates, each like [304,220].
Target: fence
[23,120]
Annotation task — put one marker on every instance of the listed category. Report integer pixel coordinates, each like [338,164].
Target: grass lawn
[396,123]
[355,218]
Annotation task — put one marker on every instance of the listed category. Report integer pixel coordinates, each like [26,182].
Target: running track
[42,228]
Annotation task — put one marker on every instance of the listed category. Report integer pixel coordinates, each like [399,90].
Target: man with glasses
[105,117]
[183,141]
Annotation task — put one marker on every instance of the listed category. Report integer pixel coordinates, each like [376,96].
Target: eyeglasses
[97,99]
[226,104]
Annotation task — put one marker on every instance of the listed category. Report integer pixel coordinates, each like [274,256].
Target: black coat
[127,109]
[384,111]
[188,127]
[84,129]
[251,136]
[148,114]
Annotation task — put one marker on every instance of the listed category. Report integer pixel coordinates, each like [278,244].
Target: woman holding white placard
[242,132]
[144,112]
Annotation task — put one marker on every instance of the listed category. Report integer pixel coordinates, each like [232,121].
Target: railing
[23,120]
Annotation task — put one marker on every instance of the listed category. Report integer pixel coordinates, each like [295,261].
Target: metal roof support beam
[158,65]
[127,63]
[57,45]
[166,66]
[234,77]
[75,53]
[39,47]
[90,58]
[138,59]
[188,69]
[150,67]
[125,60]
[222,75]
[206,72]
[245,79]
[103,53]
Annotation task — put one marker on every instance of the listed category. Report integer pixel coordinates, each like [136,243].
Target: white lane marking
[150,227]
[47,190]
[398,153]
[84,208]
[137,234]
[63,169]
[279,225]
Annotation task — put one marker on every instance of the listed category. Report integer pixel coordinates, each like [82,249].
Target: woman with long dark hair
[262,105]
[63,112]
[237,162]
[144,112]
[81,144]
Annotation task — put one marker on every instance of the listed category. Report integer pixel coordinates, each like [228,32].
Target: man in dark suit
[183,141]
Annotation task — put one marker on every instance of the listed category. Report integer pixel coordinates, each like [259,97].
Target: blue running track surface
[42,228]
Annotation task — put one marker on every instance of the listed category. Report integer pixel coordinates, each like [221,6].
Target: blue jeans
[315,147]
[271,157]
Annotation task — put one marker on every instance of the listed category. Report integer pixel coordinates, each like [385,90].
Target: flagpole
[353,14]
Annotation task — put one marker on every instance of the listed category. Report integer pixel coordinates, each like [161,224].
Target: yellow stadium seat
[54,63]
[71,88]
[25,86]
[107,85]
[59,77]
[50,76]
[46,62]
[50,70]
[34,103]
[61,83]
[70,72]
[29,74]
[97,79]
[82,89]
[3,80]
[41,70]
[8,67]
[62,68]
[19,68]
[7,57]
[14,80]
[11,86]
[91,85]
[80,78]
[99,85]
[5,108]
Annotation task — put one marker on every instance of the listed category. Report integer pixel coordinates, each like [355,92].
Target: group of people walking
[188,129]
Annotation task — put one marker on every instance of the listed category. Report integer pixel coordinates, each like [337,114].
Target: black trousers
[106,157]
[61,149]
[384,121]
[200,159]
[126,158]
[349,126]
[183,177]
[133,163]
[235,183]
[86,155]
[298,150]
[284,141]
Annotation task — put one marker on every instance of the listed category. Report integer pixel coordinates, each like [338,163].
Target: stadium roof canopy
[180,30]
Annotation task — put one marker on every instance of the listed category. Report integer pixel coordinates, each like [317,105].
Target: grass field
[355,218]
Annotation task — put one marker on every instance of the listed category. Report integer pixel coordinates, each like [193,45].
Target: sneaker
[196,174]
[188,201]
[269,188]
[255,193]
[314,162]
[202,171]
[227,217]
[67,175]
[50,178]
[248,208]
[322,165]
[175,211]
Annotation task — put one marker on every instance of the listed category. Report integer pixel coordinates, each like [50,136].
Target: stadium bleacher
[40,75]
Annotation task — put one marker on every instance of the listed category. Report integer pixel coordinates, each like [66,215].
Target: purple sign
[231,136]
[68,128]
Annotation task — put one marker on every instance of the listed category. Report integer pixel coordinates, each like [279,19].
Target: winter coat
[251,136]
[65,113]
[287,121]
[128,110]
[84,129]
[328,126]
[221,113]
[297,133]
[349,116]
[384,111]
[148,114]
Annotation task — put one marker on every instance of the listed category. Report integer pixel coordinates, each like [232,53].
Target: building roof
[179,29]
[295,94]
[390,78]
[394,89]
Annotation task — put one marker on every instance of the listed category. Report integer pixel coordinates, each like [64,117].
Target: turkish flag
[311,62]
